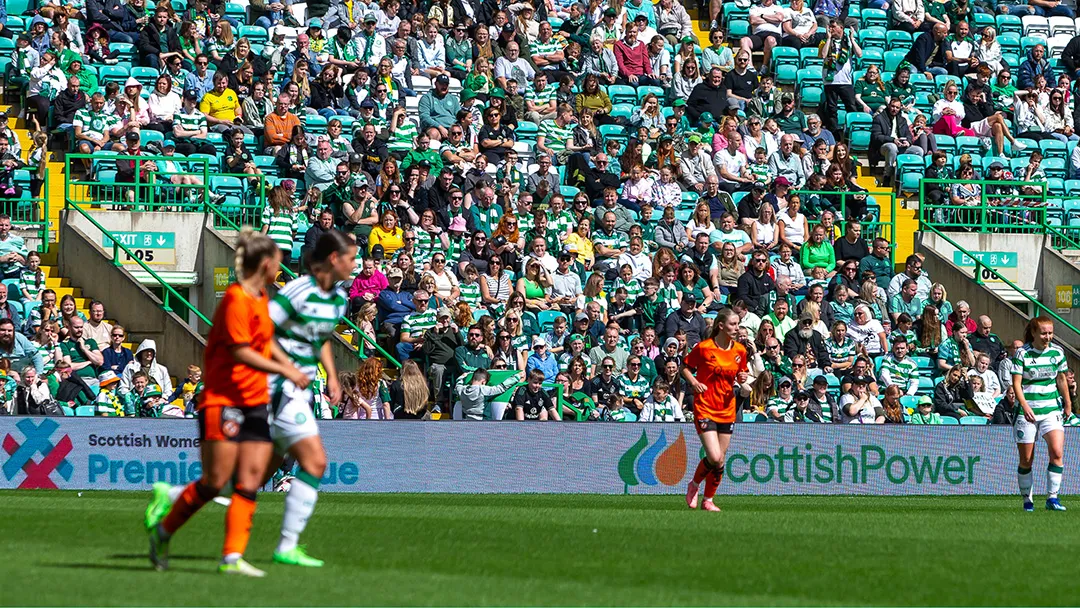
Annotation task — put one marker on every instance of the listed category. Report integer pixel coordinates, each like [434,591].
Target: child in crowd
[531,402]
[32,279]
[759,169]
[109,402]
[474,394]
[661,405]
[924,413]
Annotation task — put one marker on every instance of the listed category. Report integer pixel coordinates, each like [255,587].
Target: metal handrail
[118,247]
[843,194]
[292,275]
[979,267]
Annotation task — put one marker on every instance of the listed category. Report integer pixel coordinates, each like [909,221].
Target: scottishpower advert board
[545,457]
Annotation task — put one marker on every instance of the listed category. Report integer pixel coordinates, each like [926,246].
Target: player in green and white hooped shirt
[1041,388]
[305,312]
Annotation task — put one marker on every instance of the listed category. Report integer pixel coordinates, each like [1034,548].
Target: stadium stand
[565,187]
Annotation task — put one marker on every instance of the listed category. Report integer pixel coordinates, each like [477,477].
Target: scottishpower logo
[37,439]
[658,463]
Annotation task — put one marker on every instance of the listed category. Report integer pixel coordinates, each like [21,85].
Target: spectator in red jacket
[632,55]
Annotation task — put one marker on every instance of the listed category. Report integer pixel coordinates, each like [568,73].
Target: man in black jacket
[987,342]
[755,285]
[688,319]
[371,149]
[437,197]
[1070,58]
[709,96]
[440,344]
[890,136]
[979,116]
[319,228]
[70,100]
[158,40]
[927,53]
[807,341]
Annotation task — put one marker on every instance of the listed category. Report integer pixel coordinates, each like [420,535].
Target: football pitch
[64,549]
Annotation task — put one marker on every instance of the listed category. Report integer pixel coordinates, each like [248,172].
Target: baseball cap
[706,118]
[395,273]
[641,17]
[689,297]
[444,312]
[787,97]
[168,143]
[782,181]
[368,103]
[693,139]
[688,40]
[577,338]
[132,136]
[152,391]
[566,255]
[996,165]
[581,317]
[802,395]
[924,400]
[442,79]
[610,12]
[370,18]
[191,94]
[820,380]
[678,103]
[539,341]
[507,28]
[314,22]
[356,159]
[785,380]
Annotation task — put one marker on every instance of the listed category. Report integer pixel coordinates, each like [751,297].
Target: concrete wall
[129,302]
[1057,270]
[186,226]
[1027,247]
[1009,321]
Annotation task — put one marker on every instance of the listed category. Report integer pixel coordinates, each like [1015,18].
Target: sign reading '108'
[1004,262]
[149,247]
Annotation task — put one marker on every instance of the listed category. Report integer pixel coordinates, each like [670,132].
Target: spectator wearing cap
[438,109]
[126,167]
[440,344]
[646,34]
[632,55]
[541,359]
[790,119]
[688,319]
[565,283]
[822,401]
[695,165]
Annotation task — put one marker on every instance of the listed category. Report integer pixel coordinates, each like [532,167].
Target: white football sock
[1024,480]
[1053,480]
[299,505]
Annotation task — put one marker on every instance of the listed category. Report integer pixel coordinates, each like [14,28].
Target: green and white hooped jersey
[304,318]
[1038,371]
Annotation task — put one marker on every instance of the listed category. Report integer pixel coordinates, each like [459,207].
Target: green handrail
[292,275]
[979,267]
[891,224]
[1069,243]
[167,289]
[983,208]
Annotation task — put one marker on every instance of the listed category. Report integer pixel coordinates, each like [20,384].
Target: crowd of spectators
[572,190]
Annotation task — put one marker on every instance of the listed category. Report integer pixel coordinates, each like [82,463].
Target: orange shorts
[221,423]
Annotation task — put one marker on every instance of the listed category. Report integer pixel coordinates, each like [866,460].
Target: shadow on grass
[123,568]
[191,558]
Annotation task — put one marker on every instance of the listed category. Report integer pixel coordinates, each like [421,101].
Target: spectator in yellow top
[222,107]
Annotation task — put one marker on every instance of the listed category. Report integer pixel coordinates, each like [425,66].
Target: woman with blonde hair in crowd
[410,393]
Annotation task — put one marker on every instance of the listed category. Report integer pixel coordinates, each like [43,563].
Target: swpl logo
[37,440]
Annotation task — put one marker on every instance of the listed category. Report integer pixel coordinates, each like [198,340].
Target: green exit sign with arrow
[150,247]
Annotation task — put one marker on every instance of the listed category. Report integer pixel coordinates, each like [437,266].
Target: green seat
[85,410]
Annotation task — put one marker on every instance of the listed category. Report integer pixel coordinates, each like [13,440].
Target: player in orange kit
[234,429]
[712,369]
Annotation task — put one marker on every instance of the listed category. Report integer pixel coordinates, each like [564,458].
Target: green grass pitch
[60,548]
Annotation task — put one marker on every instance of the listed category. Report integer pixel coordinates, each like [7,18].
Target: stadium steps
[906,224]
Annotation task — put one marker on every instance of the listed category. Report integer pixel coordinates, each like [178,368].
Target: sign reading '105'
[147,247]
